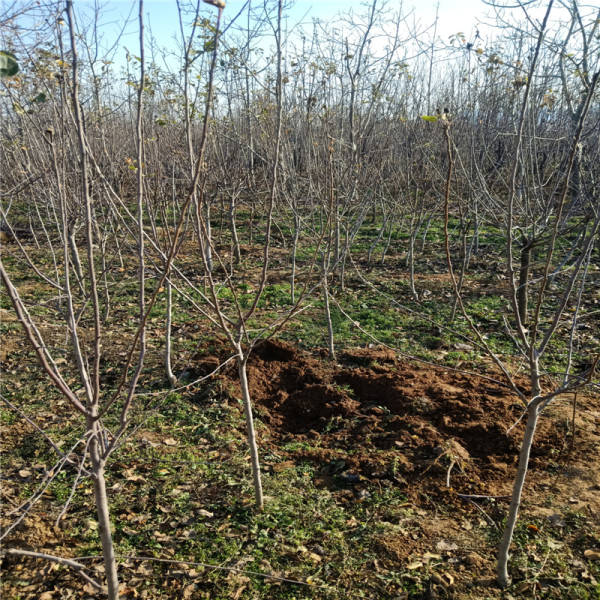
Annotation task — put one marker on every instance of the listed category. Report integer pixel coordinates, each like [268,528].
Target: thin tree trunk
[426,231]
[330,338]
[234,234]
[208,233]
[76,261]
[524,279]
[386,218]
[411,263]
[461,278]
[294,253]
[388,242]
[170,376]
[101,500]
[533,412]
[247,401]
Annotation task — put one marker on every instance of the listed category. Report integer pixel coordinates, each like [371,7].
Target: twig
[517,421]
[117,443]
[81,470]
[484,497]
[487,517]
[214,567]
[57,559]
[187,385]
[452,463]
[28,504]
[38,428]
[412,357]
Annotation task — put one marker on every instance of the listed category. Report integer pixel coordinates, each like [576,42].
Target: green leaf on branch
[8,64]
[209,46]
[429,119]
[41,98]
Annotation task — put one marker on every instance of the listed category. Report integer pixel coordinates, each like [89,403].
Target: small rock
[473,560]
[379,475]
[463,347]
[317,549]
[556,520]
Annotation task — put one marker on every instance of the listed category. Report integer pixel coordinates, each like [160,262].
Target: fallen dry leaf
[444,546]
[522,587]
[239,591]
[89,589]
[136,479]
[429,556]
[592,554]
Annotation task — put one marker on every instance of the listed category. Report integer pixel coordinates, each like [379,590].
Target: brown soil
[373,421]
[374,417]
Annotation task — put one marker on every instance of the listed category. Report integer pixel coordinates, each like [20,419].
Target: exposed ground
[356,455]
[374,438]
[372,419]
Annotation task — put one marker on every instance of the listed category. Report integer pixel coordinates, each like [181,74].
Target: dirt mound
[385,419]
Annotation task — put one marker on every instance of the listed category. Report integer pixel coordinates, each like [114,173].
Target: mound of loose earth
[376,417]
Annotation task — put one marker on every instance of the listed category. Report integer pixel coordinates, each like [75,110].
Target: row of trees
[233,143]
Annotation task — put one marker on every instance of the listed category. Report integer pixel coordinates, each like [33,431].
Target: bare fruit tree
[534,336]
[77,275]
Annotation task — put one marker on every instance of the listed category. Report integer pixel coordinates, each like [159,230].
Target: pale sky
[161,18]
[161,15]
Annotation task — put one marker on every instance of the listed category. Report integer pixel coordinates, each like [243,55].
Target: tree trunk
[241,361]
[101,499]
[208,249]
[411,265]
[330,338]
[293,255]
[76,261]
[533,412]
[234,235]
[463,270]
[170,376]
[524,279]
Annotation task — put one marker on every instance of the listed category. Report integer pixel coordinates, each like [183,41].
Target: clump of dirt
[383,418]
